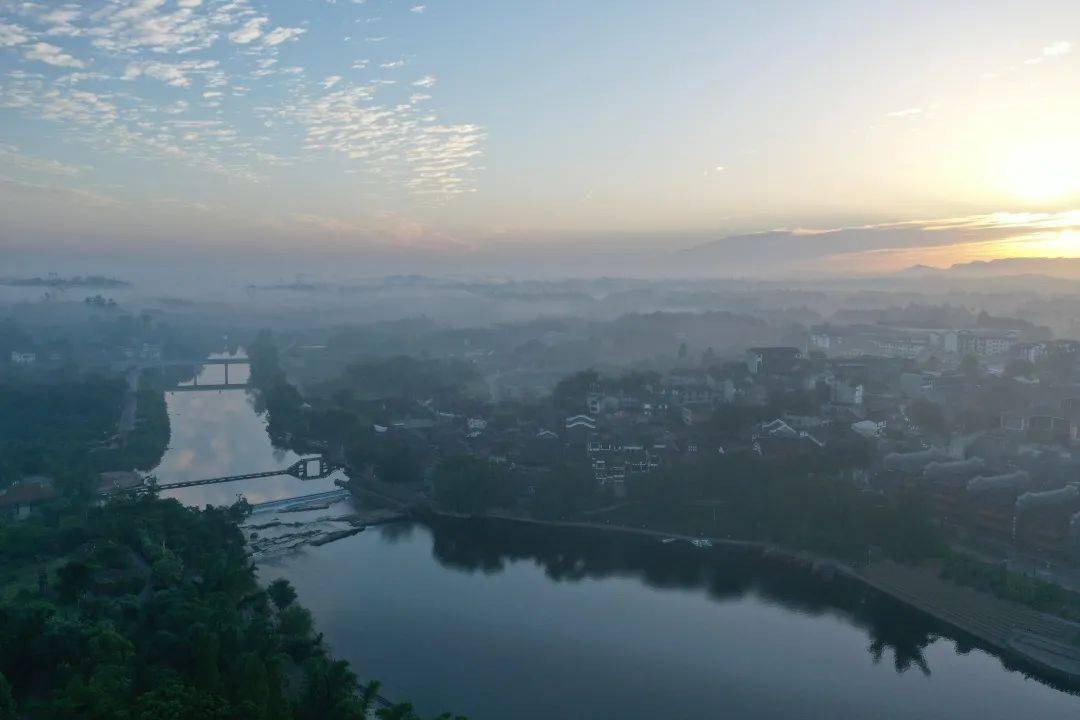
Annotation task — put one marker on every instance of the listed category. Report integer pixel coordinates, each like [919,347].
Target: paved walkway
[1044,639]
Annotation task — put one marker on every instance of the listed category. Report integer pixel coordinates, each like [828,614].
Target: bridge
[310,468]
[195,386]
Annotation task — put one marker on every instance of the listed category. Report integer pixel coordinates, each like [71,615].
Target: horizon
[713,139]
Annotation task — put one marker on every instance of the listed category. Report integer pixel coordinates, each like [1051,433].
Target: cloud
[56,195]
[1054,50]
[324,223]
[282,34]
[52,55]
[418,9]
[126,27]
[251,30]
[11,34]
[61,20]
[218,48]
[892,246]
[11,156]
[906,112]
[1062,47]
[393,144]
[173,74]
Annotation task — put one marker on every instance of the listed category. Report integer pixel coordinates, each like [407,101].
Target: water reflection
[215,433]
[725,574]
[497,621]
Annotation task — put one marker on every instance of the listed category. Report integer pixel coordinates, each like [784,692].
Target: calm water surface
[215,433]
[499,622]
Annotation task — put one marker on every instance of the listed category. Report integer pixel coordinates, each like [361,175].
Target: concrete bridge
[195,386]
[309,468]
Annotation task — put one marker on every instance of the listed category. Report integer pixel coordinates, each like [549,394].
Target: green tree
[569,393]
[329,690]
[207,648]
[176,701]
[75,579]
[7,702]
[1019,367]
[281,593]
[398,711]
[969,367]
[929,416]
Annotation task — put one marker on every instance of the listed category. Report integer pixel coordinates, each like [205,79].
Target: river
[215,433]
[497,621]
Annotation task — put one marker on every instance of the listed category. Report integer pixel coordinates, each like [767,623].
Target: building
[990,503]
[982,344]
[946,483]
[1043,519]
[580,421]
[844,391]
[900,347]
[772,360]
[19,499]
[869,428]
[913,463]
[918,385]
[23,358]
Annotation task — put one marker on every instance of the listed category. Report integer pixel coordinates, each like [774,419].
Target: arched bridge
[309,468]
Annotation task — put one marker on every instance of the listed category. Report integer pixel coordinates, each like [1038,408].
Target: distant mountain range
[78,281]
[1066,268]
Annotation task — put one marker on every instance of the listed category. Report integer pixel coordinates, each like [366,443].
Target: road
[130,409]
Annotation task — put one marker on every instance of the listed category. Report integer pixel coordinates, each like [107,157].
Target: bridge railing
[309,468]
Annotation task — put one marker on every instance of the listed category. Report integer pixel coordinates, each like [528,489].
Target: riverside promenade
[1050,643]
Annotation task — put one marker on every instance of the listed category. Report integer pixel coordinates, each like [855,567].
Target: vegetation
[62,429]
[281,400]
[466,484]
[146,443]
[145,609]
[787,501]
[49,428]
[997,580]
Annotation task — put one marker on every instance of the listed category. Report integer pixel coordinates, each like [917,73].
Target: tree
[928,415]
[75,579]
[7,702]
[329,690]
[468,484]
[400,465]
[1019,367]
[281,593]
[207,649]
[569,393]
[176,701]
[969,366]
[399,711]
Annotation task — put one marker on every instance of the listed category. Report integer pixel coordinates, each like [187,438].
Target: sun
[1044,171]
[1062,243]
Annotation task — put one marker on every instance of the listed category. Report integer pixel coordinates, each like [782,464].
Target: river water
[215,433]
[498,621]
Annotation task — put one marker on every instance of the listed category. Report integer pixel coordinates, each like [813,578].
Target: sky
[871,135]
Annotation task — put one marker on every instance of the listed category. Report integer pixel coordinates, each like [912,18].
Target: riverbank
[1040,642]
[1043,643]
